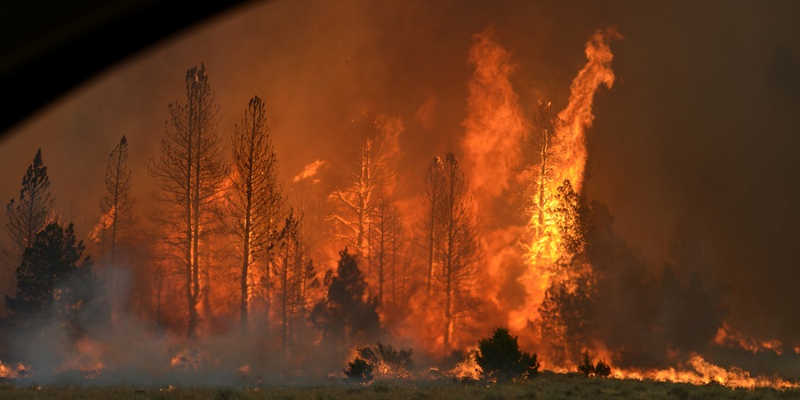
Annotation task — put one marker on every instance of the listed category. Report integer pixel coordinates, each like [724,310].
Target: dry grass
[545,386]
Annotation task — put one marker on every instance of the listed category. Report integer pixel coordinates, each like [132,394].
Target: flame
[727,336]
[309,171]
[701,372]
[8,372]
[568,154]
[468,368]
[102,225]
[495,125]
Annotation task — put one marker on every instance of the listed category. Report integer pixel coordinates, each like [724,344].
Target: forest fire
[374,259]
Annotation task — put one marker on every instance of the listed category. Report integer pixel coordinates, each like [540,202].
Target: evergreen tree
[500,357]
[54,274]
[28,214]
[346,313]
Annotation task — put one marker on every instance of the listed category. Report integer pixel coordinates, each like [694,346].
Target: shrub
[499,357]
[602,369]
[400,359]
[359,370]
[586,367]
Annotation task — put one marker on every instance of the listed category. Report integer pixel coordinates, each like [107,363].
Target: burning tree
[191,174]
[455,245]
[542,223]
[291,271]
[116,203]
[357,202]
[29,214]
[256,201]
[566,310]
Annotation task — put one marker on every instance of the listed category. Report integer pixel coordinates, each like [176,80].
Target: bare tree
[433,194]
[191,174]
[394,234]
[456,245]
[116,204]
[28,214]
[358,201]
[543,199]
[384,246]
[256,200]
[286,271]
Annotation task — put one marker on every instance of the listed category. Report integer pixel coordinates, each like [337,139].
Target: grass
[543,387]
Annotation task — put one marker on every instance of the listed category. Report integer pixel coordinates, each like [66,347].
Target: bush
[602,369]
[587,368]
[398,359]
[359,370]
[499,357]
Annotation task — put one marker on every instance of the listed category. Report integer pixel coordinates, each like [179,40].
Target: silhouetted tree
[256,201]
[346,313]
[191,174]
[116,203]
[586,367]
[589,369]
[500,357]
[28,214]
[602,369]
[384,245]
[54,275]
[434,186]
[456,245]
[286,269]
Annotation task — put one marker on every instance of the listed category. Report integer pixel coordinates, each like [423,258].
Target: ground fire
[248,261]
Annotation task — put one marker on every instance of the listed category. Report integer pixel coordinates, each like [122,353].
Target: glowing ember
[8,372]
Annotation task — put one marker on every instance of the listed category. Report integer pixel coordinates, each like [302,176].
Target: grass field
[544,386]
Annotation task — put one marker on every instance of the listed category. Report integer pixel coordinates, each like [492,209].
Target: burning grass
[547,385]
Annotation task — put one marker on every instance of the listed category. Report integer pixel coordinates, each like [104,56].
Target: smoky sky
[696,140]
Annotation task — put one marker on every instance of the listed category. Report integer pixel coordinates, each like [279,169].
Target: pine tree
[116,204]
[346,314]
[455,243]
[54,274]
[256,201]
[28,214]
[191,173]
